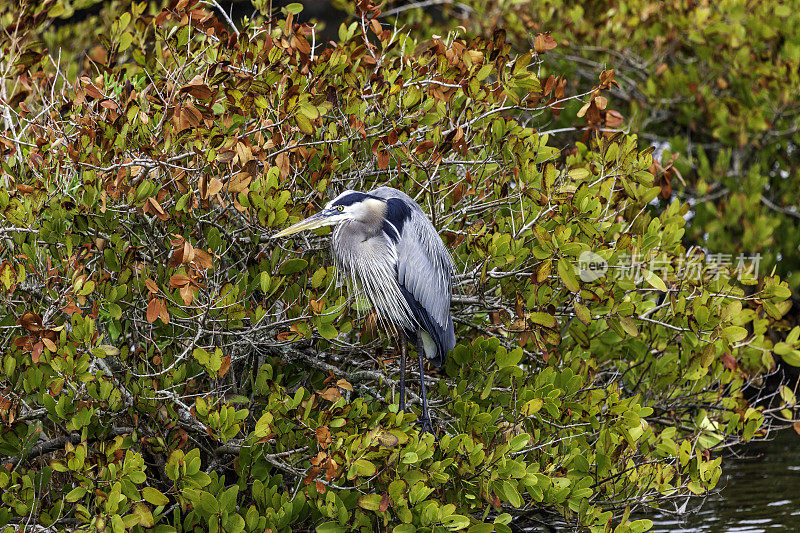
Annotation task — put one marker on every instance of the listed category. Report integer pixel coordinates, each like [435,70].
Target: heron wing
[424,266]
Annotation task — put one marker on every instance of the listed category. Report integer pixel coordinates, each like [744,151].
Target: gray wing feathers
[425,267]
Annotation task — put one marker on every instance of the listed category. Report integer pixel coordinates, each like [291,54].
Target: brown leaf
[282,162]
[188,252]
[730,361]
[226,364]
[31,321]
[244,152]
[331,394]
[36,351]
[543,42]
[385,500]
[179,280]
[613,118]
[344,384]
[214,186]
[187,294]
[153,310]
[157,206]
[164,315]
[796,426]
[601,102]
[198,90]
[93,91]
[239,183]
[424,146]
[324,437]
[203,258]
[191,115]
[71,309]
[383,160]
[151,286]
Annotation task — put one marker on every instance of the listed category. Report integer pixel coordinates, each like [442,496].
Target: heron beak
[314,221]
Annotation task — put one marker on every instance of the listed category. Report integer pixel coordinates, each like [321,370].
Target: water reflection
[761,493]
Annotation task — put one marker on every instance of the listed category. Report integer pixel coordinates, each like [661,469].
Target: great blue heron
[385,246]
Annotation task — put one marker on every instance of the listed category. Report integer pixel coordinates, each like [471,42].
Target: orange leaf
[71,309]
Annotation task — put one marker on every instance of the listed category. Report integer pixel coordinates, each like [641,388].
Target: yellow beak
[314,221]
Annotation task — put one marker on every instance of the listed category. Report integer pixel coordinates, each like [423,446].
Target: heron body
[386,247]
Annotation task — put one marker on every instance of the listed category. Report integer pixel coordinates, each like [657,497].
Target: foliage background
[167,366]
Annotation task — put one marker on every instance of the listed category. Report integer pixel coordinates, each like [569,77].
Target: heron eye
[340,207]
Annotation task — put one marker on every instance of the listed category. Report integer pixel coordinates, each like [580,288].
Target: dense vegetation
[715,86]
[165,365]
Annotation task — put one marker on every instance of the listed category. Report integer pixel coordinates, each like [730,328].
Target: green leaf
[543,319]
[370,502]
[75,494]
[583,313]
[629,325]
[327,331]
[519,442]
[154,496]
[792,357]
[294,8]
[654,280]
[567,274]
[365,468]
[330,527]
[293,266]
[505,358]
[456,522]
[734,333]
[511,494]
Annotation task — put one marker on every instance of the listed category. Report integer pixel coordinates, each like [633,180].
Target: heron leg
[425,419]
[403,351]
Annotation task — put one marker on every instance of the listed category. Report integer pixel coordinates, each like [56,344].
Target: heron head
[348,206]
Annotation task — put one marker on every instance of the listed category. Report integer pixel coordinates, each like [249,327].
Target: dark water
[760,493]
